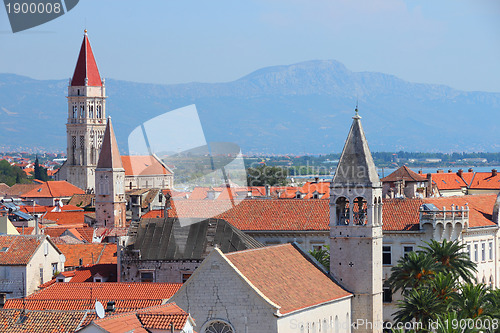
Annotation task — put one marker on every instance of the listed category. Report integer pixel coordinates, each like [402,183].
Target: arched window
[218,326]
[91,111]
[98,111]
[75,111]
[342,209]
[82,111]
[359,211]
[337,325]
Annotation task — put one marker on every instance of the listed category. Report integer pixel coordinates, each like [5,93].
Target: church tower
[356,229]
[110,183]
[86,120]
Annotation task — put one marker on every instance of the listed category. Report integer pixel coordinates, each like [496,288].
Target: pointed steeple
[356,166]
[109,158]
[86,72]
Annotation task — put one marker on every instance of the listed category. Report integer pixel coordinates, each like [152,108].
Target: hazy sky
[452,42]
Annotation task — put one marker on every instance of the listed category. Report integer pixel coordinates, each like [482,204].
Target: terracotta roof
[42,209]
[43,321]
[107,290]
[467,177]
[93,253]
[86,274]
[86,67]
[87,233]
[448,181]
[160,317]
[136,165]
[66,218]
[404,173]
[109,157]
[259,214]
[152,214]
[120,323]
[53,189]
[81,200]
[480,207]
[78,304]
[17,249]
[25,230]
[485,180]
[403,214]
[284,275]
[4,188]
[18,190]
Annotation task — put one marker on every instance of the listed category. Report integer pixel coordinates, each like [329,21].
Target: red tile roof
[485,180]
[25,230]
[94,253]
[260,214]
[53,189]
[285,276]
[43,321]
[156,318]
[66,218]
[107,290]
[78,304]
[448,181]
[404,173]
[18,190]
[403,214]
[18,250]
[86,67]
[143,165]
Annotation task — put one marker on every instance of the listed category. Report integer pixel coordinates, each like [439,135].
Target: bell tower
[356,230]
[86,120]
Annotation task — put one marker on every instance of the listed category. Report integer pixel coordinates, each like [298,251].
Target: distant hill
[300,108]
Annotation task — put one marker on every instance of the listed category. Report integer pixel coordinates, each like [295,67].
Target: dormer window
[4,249]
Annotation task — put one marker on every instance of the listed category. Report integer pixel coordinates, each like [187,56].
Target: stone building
[27,262]
[110,204]
[86,121]
[270,289]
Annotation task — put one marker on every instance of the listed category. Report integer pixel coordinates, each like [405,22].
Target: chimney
[429,184]
[493,172]
[316,179]
[268,190]
[420,171]
[450,171]
[211,194]
[470,170]
[460,172]
[439,171]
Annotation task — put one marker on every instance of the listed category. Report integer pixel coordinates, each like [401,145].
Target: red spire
[86,67]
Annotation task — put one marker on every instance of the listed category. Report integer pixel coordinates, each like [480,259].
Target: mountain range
[300,108]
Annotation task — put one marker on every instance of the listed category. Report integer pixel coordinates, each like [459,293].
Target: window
[97,280]
[54,268]
[185,276]
[41,275]
[483,251]
[386,255]
[407,249]
[387,293]
[468,251]
[75,111]
[317,247]
[82,111]
[476,254]
[98,111]
[218,326]
[490,250]
[147,277]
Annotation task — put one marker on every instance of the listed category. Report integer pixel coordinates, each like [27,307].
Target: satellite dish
[99,309]
[62,258]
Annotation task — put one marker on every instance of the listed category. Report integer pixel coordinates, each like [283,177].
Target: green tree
[452,257]
[322,256]
[40,172]
[266,175]
[412,270]
[471,300]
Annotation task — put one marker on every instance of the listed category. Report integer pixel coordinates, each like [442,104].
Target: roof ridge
[257,248]
[100,254]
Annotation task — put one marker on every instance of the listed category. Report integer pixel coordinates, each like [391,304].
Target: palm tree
[443,286]
[413,270]
[452,257]
[322,256]
[421,305]
[471,300]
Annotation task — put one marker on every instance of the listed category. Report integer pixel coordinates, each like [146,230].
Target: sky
[451,42]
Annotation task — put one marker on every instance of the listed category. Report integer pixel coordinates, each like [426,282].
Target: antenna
[99,309]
